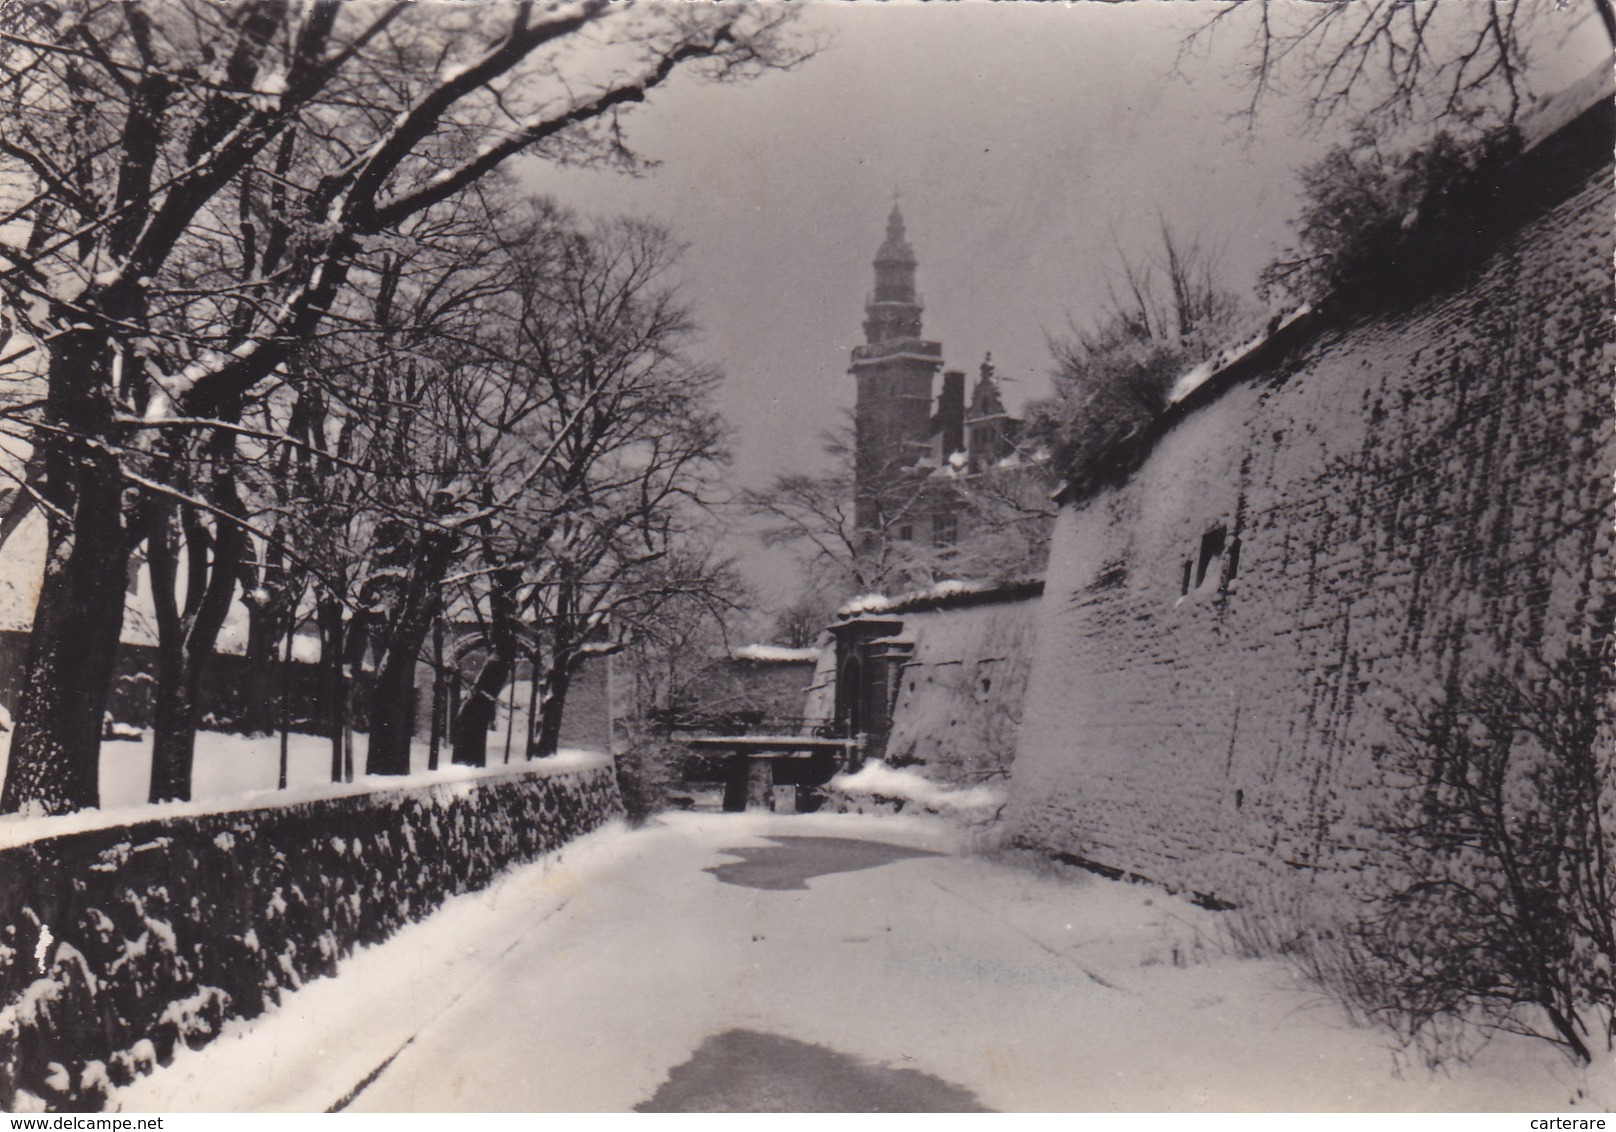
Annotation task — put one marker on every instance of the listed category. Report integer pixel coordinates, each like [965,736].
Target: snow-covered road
[819,962]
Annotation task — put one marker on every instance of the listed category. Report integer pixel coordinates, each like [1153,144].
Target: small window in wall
[1210,560]
[945,528]
[1234,560]
[1189,570]
[906,533]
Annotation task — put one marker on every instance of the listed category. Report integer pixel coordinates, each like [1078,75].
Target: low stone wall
[119,943]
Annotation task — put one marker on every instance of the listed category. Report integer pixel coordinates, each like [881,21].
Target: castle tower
[894,369]
[990,432]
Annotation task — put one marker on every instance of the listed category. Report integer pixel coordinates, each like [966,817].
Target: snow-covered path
[749,961]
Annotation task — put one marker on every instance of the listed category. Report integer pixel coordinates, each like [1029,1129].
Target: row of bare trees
[271,321]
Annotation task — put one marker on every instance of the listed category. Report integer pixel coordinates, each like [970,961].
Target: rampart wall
[1230,638]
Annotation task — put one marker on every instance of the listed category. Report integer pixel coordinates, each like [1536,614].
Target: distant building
[913,449]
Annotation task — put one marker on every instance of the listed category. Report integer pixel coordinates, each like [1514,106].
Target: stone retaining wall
[116,944]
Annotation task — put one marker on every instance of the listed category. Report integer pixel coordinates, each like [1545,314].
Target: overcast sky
[1028,142]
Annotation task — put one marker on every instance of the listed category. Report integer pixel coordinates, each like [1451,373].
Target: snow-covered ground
[875,779]
[579,983]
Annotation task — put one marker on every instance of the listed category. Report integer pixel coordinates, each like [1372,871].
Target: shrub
[1166,312]
[1102,407]
[1382,229]
[1495,901]
[647,773]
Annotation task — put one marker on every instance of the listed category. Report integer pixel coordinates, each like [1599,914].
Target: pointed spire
[893,309]
[896,249]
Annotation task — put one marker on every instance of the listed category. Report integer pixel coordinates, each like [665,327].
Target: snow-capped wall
[1227,637]
[959,697]
[118,943]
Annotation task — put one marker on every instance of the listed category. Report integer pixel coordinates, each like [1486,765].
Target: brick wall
[1411,498]
[116,944]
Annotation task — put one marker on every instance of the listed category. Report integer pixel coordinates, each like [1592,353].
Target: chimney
[951,412]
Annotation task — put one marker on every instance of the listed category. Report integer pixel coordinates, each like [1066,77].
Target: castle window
[1234,560]
[1211,557]
[906,533]
[945,528]
[1189,569]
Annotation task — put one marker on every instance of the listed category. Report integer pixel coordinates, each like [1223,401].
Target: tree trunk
[532,736]
[550,711]
[510,720]
[440,696]
[186,639]
[286,706]
[53,765]
[477,712]
[269,622]
[392,702]
[333,688]
[174,718]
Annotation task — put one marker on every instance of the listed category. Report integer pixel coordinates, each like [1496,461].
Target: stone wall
[116,944]
[959,695]
[1344,532]
[742,694]
[936,678]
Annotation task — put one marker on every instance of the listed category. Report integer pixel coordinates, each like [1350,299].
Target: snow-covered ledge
[121,938]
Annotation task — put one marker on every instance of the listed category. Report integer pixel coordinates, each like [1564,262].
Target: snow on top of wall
[1556,111]
[1193,379]
[865,603]
[445,782]
[1547,117]
[877,779]
[774,654]
[1015,590]
[879,603]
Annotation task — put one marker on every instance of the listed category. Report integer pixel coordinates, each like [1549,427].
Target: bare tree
[144,141]
[800,623]
[854,533]
[607,426]
[1393,60]
[1006,515]
[668,643]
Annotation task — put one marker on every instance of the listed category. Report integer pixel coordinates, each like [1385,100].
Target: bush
[1493,903]
[1102,407]
[1167,311]
[1382,229]
[648,772]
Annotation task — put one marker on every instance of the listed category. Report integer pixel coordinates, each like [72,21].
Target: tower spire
[894,308]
